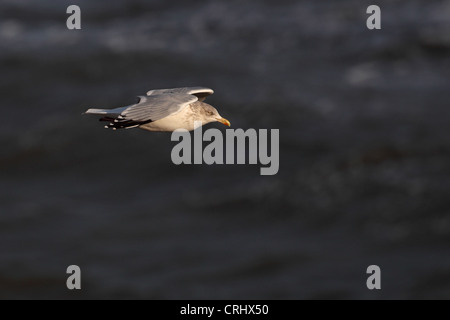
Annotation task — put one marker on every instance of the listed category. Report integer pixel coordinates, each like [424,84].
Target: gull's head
[210,114]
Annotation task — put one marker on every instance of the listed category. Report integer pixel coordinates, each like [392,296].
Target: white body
[180,120]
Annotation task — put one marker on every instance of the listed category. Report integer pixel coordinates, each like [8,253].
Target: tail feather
[97,111]
[115,119]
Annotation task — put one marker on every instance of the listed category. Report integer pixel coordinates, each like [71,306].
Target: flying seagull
[164,110]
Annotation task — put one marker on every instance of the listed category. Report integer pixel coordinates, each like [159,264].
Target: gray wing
[148,109]
[200,92]
[156,107]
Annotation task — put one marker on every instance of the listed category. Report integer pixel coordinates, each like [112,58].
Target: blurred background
[364,151]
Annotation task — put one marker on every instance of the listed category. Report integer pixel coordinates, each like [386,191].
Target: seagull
[164,110]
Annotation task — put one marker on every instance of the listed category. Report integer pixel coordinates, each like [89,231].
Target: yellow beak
[224,121]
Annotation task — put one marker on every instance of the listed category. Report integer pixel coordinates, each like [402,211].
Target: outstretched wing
[200,92]
[156,107]
[148,109]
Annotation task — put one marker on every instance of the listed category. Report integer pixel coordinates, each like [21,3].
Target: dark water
[364,151]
